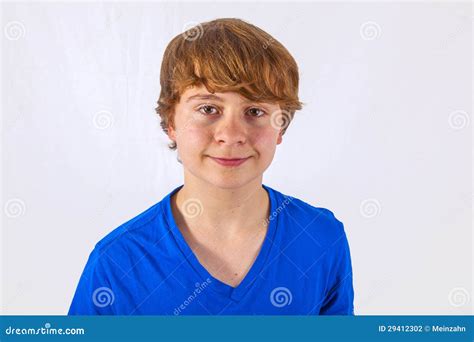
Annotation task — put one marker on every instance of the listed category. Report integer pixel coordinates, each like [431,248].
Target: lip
[230,162]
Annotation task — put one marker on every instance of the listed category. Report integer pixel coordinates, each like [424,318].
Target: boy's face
[224,125]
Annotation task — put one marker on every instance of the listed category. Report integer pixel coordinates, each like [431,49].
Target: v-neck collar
[235,293]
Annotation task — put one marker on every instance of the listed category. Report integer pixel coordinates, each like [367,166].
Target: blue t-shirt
[146,267]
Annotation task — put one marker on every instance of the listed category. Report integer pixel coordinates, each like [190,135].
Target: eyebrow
[205,97]
[214,97]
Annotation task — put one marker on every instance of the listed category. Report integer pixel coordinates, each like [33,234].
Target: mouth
[230,161]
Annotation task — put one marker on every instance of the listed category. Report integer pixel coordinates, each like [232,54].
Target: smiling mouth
[230,161]
[230,158]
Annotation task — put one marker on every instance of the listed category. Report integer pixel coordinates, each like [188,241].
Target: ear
[171,132]
[280,138]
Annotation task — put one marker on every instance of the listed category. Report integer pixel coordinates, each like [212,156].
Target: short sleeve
[93,295]
[339,299]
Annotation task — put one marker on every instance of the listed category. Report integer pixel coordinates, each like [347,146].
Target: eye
[206,109]
[256,113]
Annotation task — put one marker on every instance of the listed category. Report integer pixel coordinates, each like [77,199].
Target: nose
[231,130]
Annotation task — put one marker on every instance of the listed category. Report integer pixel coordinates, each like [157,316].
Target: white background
[384,140]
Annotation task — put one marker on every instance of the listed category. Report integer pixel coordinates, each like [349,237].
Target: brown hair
[228,54]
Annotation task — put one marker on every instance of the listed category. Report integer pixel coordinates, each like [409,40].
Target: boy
[223,243]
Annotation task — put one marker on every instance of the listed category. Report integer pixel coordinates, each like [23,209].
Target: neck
[225,213]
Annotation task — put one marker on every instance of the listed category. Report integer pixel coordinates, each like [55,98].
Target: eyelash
[254,116]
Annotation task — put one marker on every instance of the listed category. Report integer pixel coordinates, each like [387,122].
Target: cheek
[265,140]
[193,138]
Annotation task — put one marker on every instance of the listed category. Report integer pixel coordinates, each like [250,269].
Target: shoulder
[139,227]
[303,218]
[119,250]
